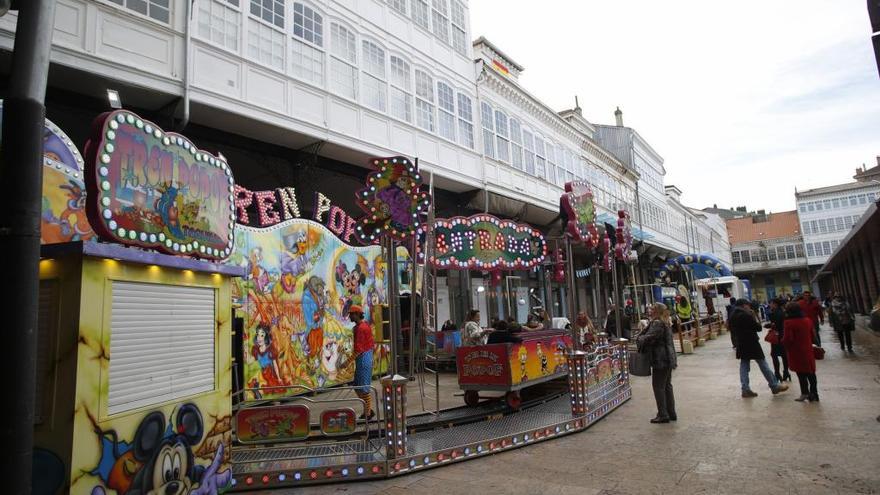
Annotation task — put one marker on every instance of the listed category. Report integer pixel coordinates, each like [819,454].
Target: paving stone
[721,443]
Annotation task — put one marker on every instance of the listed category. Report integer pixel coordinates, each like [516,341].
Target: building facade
[827,214]
[768,250]
[304,92]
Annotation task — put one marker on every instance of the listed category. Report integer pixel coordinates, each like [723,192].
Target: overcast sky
[744,100]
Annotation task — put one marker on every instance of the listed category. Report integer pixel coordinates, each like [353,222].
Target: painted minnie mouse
[351,282]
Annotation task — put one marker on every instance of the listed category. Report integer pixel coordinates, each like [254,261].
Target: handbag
[818,352]
[772,337]
[639,363]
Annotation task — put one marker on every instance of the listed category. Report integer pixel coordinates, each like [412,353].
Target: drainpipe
[187,49]
[479,111]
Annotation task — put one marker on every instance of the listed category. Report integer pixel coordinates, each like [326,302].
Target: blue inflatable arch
[712,267]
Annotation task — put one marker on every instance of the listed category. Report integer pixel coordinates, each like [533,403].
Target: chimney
[618,117]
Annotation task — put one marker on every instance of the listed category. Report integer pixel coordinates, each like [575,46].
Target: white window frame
[528,151]
[446,120]
[421,14]
[440,20]
[398,6]
[458,18]
[258,28]
[303,49]
[516,148]
[343,58]
[502,136]
[424,82]
[168,8]
[261,6]
[487,119]
[400,97]
[465,120]
[228,14]
[540,157]
[374,79]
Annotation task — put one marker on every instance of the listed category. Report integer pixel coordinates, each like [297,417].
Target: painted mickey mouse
[168,463]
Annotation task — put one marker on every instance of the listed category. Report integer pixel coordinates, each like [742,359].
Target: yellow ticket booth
[134,371]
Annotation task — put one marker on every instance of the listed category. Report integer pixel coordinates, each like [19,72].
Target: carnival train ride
[197,334]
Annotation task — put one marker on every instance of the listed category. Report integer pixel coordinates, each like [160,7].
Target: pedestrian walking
[729,309]
[798,341]
[657,340]
[813,310]
[611,322]
[844,322]
[473,333]
[745,329]
[363,364]
[777,349]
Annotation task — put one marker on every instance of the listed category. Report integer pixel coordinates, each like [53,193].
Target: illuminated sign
[624,238]
[579,212]
[264,209]
[392,201]
[486,242]
[155,190]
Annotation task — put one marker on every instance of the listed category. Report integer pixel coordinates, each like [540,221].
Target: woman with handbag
[798,341]
[656,341]
[774,337]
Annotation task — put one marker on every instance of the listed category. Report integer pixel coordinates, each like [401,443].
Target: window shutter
[161,344]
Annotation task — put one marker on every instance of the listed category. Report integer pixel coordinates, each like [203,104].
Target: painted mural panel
[178,446]
[63,217]
[301,281]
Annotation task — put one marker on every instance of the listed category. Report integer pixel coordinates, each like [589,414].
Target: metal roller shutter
[161,344]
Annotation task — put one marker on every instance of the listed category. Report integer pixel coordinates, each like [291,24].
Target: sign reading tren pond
[485,242]
[155,190]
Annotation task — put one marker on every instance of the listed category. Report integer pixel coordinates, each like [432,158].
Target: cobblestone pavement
[720,444]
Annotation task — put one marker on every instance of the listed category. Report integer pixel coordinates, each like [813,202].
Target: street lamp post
[21,182]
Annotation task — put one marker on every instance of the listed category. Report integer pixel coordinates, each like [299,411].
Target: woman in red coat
[798,341]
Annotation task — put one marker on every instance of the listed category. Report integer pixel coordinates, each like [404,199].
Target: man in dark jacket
[745,329]
[729,308]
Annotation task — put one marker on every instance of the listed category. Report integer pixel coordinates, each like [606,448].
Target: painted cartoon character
[294,259]
[395,201]
[257,273]
[264,354]
[166,205]
[543,357]
[160,458]
[330,359]
[60,229]
[314,304]
[168,461]
[351,282]
[523,358]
